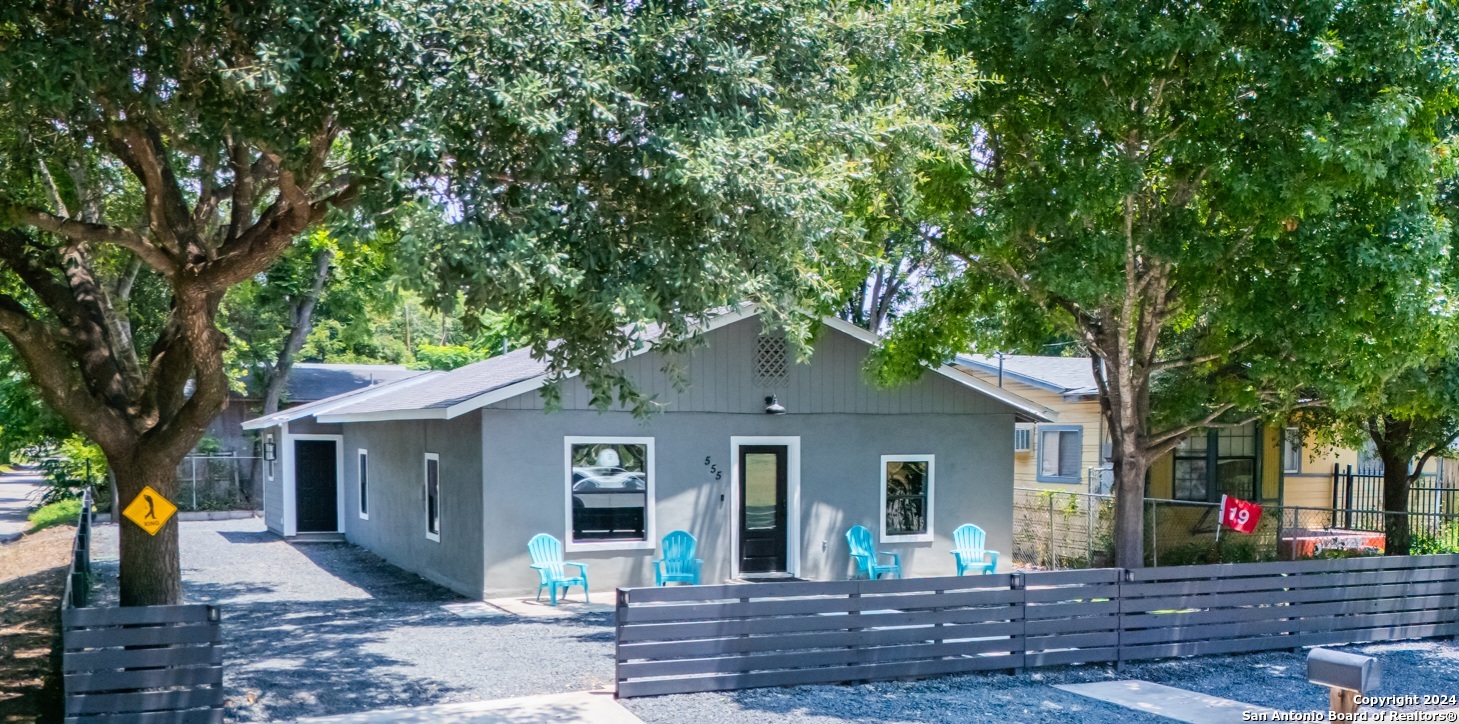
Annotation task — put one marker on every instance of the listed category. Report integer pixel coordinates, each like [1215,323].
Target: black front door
[762,509]
[316,472]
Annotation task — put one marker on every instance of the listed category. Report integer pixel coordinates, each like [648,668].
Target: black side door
[316,499]
[763,509]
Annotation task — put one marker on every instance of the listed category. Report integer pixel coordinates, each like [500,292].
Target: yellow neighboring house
[1068,455]
[1252,462]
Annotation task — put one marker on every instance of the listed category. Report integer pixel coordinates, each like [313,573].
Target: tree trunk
[1396,534]
[303,323]
[154,576]
[1129,533]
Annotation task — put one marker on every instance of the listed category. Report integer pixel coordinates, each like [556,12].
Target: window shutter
[1022,439]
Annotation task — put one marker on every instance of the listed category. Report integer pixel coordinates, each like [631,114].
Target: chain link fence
[1065,529]
[218,482]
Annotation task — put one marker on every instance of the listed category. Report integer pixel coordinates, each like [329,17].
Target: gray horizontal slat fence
[714,638]
[142,664]
[1232,608]
[710,638]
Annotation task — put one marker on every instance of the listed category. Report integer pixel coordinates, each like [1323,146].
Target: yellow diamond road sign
[149,510]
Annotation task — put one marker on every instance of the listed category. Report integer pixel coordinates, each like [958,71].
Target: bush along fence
[716,638]
[140,663]
[219,482]
[1058,529]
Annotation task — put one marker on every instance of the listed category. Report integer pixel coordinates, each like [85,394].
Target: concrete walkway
[581,707]
[16,490]
[1167,701]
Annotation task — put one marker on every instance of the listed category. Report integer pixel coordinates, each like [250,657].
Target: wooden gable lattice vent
[772,361]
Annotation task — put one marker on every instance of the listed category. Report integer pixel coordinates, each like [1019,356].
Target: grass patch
[64,512]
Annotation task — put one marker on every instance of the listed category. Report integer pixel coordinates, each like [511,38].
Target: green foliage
[447,357]
[1442,541]
[72,467]
[25,422]
[61,512]
[1199,552]
[696,156]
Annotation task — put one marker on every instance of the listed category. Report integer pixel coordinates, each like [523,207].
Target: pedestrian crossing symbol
[149,510]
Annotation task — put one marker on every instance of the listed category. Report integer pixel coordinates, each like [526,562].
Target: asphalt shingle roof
[456,386]
[1073,375]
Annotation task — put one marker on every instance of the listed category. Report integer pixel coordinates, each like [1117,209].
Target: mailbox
[1342,670]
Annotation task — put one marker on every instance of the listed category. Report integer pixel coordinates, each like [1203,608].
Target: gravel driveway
[329,628]
[316,629]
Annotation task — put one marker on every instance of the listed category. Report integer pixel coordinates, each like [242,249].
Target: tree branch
[91,233]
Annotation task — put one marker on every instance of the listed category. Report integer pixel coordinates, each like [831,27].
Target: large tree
[588,166]
[1217,200]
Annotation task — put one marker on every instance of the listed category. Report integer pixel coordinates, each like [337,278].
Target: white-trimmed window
[906,497]
[363,479]
[1061,450]
[1292,450]
[433,496]
[609,488]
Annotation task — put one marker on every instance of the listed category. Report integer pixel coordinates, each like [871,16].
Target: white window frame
[1291,437]
[931,461]
[649,542]
[362,482]
[425,485]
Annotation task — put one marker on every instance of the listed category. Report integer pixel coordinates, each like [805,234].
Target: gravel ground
[329,628]
[1274,679]
[320,629]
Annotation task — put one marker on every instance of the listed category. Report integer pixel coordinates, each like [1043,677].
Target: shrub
[1446,541]
[64,512]
[76,465]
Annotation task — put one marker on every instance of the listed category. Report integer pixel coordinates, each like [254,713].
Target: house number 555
[713,469]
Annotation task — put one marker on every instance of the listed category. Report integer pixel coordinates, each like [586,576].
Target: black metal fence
[137,664]
[716,638]
[1358,493]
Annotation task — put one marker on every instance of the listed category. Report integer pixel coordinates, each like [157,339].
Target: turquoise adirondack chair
[546,552]
[678,563]
[864,552]
[968,550]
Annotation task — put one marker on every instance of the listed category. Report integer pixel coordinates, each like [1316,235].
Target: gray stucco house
[449,474]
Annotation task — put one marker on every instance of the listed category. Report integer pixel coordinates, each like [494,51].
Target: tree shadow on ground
[29,634]
[373,574]
[288,659]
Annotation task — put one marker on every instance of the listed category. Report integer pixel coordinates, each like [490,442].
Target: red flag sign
[1239,515]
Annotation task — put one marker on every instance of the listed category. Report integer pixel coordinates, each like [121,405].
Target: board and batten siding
[1084,413]
[844,424]
[720,379]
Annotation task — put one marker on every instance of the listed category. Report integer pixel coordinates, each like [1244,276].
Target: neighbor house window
[906,497]
[1191,481]
[610,490]
[433,496]
[1215,462]
[1292,450]
[364,474]
[1060,453]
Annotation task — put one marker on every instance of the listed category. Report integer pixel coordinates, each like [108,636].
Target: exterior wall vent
[772,361]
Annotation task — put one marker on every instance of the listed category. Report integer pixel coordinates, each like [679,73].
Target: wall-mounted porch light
[773,406]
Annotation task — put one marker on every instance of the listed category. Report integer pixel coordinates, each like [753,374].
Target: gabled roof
[329,403]
[1065,375]
[516,373]
[310,381]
